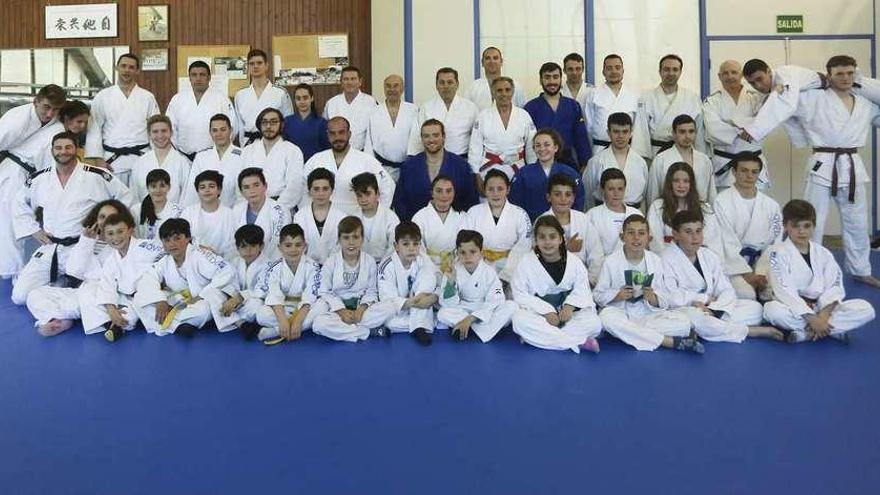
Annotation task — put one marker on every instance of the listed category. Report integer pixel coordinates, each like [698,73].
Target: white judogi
[30,150]
[165,281]
[320,244]
[120,121]
[660,109]
[19,123]
[752,224]
[214,230]
[661,234]
[147,231]
[293,290]
[388,139]
[283,168]
[635,169]
[63,207]
[608,224]
[357,113]
[84,262]
[354,163]
[601,103]
[800,289]
[177,166]
[720,114]
[704,173]
[379,232]
[119,281]
[248,106]
[438,235]
[636,322]
[829,124]
[712,288]
[479,294]
[340,288]
[251,282]
[513,229]
[230,164]
[533,289]
[272,217]
[495,146]
[778,108]
[397,283]
[191,120]
[591,253]
[582,95]
[458,121]
[480,93]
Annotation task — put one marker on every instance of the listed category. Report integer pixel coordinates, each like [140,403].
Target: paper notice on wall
[276,65]
[333,46]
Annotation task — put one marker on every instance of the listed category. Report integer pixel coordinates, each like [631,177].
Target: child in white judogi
[169,294]
[551,287]
[110,307]
[293,290]
[155,208]
[319,218]
[808,285]
[379,221]
[211,223]
[678,194]
[580,239]
[684,133]
[619,154]
[348,294]
[503,224]
[236,305]
[440,223]
[635,296]
[471,296]
[606,220]
[750,223]
[700,289]
[407,281]
[259,209]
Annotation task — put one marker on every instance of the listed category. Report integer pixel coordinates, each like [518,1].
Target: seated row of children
[648,301]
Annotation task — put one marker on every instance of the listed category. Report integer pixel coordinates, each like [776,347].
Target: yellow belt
[292,299]
[493,255]
[187,299]
[445,258]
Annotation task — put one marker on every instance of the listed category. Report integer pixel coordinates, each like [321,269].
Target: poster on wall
[153,23]
[154,59]
[94,20]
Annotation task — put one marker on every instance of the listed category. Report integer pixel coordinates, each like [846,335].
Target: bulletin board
[309,58]
[228,56]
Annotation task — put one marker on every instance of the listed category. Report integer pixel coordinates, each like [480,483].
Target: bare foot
[54,327]
[766,332]
[868,280]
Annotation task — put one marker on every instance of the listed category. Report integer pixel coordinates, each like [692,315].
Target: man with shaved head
[724,112]
[389,127]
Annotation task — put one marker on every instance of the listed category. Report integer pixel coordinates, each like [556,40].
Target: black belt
[63,241]
[30,169]
[838,152]
[463,155]
[729,165]
[664,145]
[251,137]
[135,150]
[599,142]
[599,202]
[385,162]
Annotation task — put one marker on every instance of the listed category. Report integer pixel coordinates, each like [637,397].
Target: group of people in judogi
[582,212]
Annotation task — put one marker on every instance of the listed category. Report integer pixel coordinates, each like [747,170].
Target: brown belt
[838,152]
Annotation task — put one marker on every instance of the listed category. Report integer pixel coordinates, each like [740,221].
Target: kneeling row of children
[647,301]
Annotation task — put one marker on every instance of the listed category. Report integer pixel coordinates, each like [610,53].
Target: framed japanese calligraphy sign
[95,20]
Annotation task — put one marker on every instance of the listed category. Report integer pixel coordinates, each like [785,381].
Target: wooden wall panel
[206,22]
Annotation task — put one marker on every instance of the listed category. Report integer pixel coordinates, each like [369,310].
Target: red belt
[838,152]
[493,159]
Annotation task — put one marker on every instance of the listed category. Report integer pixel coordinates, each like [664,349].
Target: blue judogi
[528,190]
[310,134]
[568,121]
[413,190]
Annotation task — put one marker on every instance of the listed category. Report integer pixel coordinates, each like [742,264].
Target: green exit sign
[789,24]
